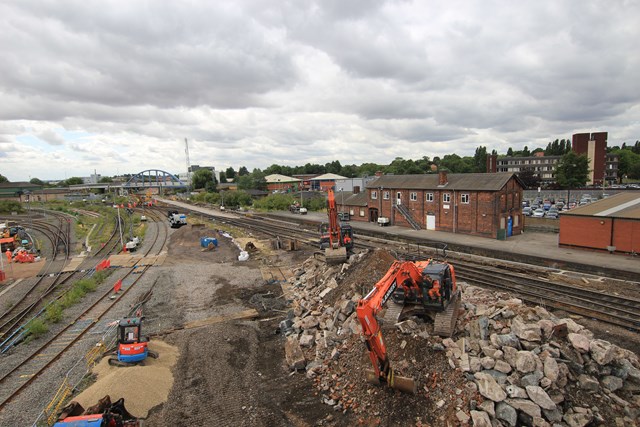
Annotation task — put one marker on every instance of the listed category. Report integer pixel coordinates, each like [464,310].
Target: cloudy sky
[116,86]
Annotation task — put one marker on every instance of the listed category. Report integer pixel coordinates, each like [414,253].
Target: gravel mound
[142,387]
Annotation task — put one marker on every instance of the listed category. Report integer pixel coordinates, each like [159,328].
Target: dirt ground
[231,373]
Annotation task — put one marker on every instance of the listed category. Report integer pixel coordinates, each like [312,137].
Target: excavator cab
[132,346]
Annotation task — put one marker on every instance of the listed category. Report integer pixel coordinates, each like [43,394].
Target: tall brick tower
[594,145]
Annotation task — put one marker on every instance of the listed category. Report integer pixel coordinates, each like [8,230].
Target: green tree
[243,171]
[223,178]
[350,171]
[333,167]
[36,181]
[480,159]
[201,178]
[106,180]
[526,152]
[510,152]
[626,162]
[74,180]
[529,178]
[457,164]
[230,173]
[572,171]
[634,171]
[3,179]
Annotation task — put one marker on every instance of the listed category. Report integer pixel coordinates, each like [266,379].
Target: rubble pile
[532,368]
[508,364]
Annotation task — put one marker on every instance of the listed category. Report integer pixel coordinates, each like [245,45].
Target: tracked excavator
[335,238]
[422,288]
[132,347]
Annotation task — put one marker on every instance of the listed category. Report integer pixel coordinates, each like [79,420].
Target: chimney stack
[379,173]
[442,177]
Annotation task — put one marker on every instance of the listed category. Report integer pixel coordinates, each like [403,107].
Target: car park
[538,213]
[526,211]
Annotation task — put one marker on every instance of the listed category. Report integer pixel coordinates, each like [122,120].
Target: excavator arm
[408,276]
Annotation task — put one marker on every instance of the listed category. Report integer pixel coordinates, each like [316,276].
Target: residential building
[594,146]
[539,164]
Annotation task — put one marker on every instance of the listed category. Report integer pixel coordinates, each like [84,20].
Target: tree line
[629,166]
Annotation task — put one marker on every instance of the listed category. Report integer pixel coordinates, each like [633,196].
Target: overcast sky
[116,86]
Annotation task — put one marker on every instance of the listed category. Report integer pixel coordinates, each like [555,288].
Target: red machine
[335,238]
[422,288]
[132,346]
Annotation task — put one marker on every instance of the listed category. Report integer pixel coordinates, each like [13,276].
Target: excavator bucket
[396,382]
[335,256]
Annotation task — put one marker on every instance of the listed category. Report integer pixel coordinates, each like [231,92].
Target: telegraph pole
[186,151]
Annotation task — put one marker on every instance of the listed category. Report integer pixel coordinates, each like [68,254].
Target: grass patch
[54,313]
[36,328]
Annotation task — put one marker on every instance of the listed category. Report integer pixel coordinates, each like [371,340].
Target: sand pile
[142,387]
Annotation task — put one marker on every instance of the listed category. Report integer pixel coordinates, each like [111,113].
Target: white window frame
[464,198]
[429,197]
[446,197]
[385,195]
[374,195]
[413,196]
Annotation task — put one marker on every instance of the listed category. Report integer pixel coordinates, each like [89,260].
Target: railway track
[605,306]
[25,372]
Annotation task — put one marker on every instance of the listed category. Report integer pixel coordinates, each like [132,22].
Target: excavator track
[392,315]
[445,322]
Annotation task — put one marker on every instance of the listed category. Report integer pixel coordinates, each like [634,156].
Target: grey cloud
[51,137]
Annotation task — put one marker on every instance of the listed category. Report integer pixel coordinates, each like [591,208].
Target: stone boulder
[579,342]
[602,352]
[489,388]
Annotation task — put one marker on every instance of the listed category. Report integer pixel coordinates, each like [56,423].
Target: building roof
[20,184]
[276,178]
[455,181]
[328,177]
[358,199]
[625,204]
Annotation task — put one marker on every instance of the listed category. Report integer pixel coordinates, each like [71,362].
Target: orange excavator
[423,288]
[335,238]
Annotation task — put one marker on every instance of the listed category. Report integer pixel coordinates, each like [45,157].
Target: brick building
[488,205]
[613,224]
[354,202]
[594,145]
[282,183]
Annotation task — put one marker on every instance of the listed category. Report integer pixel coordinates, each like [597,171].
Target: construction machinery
[335,238]
[422,288]
[132,346]
[103,414]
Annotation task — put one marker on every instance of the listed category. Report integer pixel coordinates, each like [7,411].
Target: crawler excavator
[335,238]
[424,288]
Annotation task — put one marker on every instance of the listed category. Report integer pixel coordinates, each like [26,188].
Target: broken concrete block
[293,354]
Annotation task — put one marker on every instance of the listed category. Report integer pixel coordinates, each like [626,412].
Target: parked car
[546,205]
[552,213]
[526,211]
[538,213]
